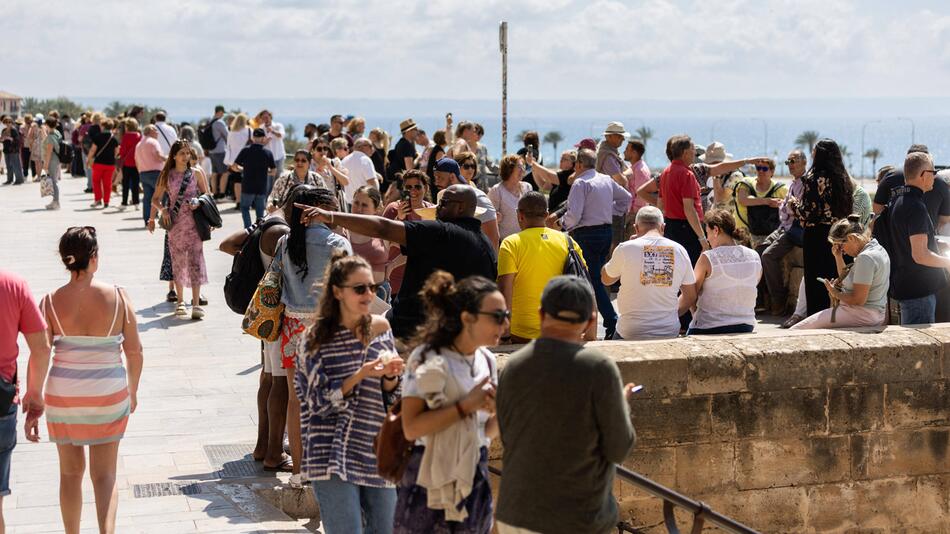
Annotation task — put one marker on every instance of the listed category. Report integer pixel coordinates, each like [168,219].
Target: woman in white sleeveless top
[726,279]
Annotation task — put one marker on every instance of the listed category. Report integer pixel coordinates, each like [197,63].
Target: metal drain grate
[164,489]
[233,460]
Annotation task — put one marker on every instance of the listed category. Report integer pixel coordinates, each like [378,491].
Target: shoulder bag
[167,220]
[265,312]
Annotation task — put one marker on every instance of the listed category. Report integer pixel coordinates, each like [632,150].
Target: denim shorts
[7,443]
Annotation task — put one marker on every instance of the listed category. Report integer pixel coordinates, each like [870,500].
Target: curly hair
[444,302]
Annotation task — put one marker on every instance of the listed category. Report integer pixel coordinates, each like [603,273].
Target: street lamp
[913,128]
[712,130]
[863,130]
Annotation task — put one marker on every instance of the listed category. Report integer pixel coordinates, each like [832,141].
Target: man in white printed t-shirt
[656,281]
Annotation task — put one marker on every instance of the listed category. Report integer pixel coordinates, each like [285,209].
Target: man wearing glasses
[453,243]
[918,271]
[783,240]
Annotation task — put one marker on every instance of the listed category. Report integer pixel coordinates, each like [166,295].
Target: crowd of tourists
[377,279]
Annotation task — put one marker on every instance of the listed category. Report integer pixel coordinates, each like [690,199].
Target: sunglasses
[469,166]
[790,161]
[500,316]
[362,289]
[762,168]
[417,187]
[322,149]
[301,160]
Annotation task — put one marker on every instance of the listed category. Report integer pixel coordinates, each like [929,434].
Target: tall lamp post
[913,128]
[503,47]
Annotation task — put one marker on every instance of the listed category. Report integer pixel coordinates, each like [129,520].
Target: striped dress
[337,431]
[87,392]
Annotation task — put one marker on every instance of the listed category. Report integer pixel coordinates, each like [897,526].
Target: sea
[746,127]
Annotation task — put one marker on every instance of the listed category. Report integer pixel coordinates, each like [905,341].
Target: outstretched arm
[368,225]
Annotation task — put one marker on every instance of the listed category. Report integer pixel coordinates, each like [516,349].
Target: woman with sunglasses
[367,201]
[183,181]
[347,374]
[301,259]
[861,287]
[329,169]
[89,393]
[758,202]
[413,194]
[448,408]
[300,174]
[468,166]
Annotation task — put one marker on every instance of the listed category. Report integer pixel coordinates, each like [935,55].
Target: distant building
[10,104]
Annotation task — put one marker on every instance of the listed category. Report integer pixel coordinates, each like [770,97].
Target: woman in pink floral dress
[184,244]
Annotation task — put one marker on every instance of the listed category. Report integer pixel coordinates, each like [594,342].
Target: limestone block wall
[829,431]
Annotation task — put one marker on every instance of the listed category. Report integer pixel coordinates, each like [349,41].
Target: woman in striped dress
[347,373]
[89,394]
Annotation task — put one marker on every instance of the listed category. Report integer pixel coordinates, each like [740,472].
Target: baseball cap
[452,166]
[568,298]
[588,143]
[259,132]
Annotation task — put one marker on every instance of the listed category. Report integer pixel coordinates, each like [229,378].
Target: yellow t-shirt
[534,256]
[748,184]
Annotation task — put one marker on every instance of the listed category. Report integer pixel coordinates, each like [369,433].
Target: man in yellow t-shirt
[527,261]
[758,201]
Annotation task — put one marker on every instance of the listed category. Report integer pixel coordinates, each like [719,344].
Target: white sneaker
[53,205]
[296,481]
[135,207]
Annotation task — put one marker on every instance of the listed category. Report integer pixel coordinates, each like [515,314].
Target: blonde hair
[131,125]
[239,123]
[338,144]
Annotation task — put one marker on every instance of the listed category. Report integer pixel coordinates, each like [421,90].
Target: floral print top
[815,206]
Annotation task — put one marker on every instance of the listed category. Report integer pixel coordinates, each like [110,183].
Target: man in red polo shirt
[681,199]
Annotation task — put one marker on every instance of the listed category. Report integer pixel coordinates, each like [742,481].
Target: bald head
[457,201]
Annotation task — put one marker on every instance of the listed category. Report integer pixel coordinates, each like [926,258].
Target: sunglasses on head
[470,166]
[500,316]
[362,289]
[90,229]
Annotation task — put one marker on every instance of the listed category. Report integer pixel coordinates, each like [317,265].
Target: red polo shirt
[676,183]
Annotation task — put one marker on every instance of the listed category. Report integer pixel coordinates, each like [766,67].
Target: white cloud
[600,49]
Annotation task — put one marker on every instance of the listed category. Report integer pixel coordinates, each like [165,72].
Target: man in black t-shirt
[453,243]
[404,153]
[937,199]
[918,271]
[256,164]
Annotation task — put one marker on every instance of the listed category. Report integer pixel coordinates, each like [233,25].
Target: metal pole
[913,128]
[503,47]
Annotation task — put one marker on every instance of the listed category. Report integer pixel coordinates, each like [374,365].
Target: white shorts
[272,359]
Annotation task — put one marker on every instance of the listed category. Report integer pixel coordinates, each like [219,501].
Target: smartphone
[405,196]
[822,280]
[636,389]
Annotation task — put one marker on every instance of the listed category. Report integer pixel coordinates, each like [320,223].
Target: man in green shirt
[565,421]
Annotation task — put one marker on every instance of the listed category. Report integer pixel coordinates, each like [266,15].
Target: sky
[558,49]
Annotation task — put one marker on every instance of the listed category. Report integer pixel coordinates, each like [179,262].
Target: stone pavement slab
[198,385]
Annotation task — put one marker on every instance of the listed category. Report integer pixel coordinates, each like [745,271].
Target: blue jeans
[595,244]
[918,311]
[14,168]
[344,506]
[729,329]
[7,443]
[149,180]
[247,199]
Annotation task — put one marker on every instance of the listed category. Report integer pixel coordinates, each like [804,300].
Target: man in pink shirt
[18,314]
[149,159]
[637,174]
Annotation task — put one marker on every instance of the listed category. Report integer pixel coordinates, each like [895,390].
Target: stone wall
[826,431]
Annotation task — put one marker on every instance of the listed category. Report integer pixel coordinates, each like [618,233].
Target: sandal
[286,465]
[181,310]
[172,296]
[197,313]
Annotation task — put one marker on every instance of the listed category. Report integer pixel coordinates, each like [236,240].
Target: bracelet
[331,217]
[458,408]
[391,378]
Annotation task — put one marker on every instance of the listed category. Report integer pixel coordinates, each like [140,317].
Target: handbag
[265,313]
[46,186]
[168,223]
[391,446]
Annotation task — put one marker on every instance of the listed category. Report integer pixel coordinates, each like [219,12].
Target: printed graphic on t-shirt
[658,263]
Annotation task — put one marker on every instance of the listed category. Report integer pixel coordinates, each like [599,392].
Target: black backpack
[206,136]
[573,265]
[247,269]
[763,220]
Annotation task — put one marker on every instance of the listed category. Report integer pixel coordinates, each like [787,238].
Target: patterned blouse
[287,180]
[338,431]
[815,207]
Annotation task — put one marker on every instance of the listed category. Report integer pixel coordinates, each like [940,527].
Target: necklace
[471,365]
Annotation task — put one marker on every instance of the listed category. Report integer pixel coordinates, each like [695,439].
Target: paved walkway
[197,391]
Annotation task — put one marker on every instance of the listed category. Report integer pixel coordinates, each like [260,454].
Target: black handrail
[701,512]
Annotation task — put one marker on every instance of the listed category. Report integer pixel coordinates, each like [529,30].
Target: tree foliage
[807,138]
[61,104]
[644,134]
[553,138]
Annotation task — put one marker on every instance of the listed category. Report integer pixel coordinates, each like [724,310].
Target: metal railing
[702,514]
